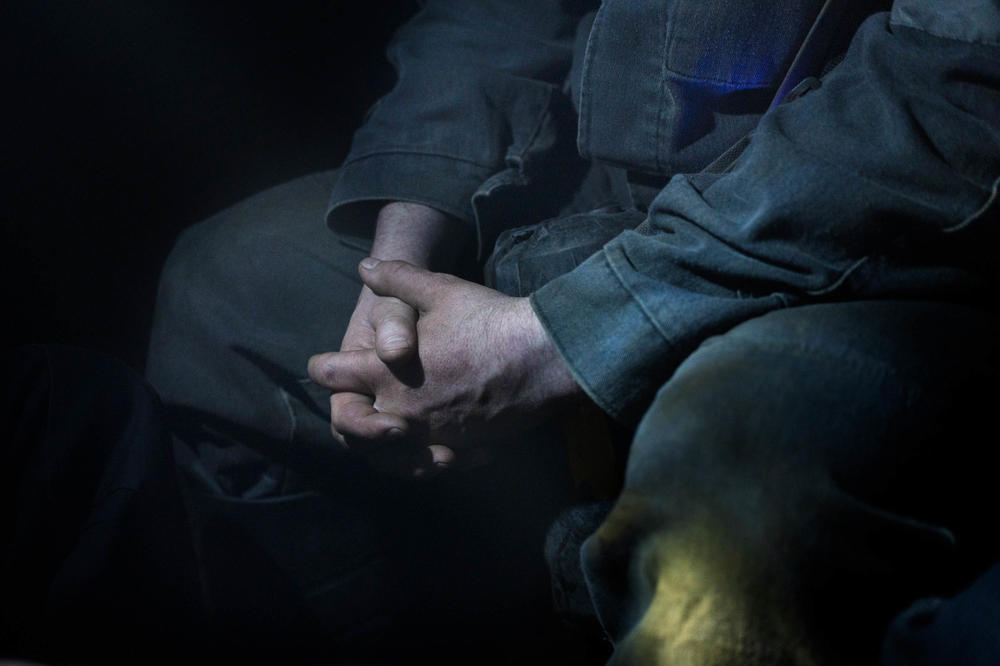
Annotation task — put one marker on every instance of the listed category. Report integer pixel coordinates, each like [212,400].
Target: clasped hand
[471,367]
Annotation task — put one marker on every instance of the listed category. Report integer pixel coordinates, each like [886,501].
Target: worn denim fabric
[244,299]
[106,556]
[525,258]
[800,480]
[309,551]
[480,123]
[880,184]
[477,115]
[935,631]
[666,87]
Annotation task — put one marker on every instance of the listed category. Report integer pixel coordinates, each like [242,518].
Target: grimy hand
[483,366]
[425,237]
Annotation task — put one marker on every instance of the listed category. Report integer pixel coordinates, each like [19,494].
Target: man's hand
[483,365]
[423,236]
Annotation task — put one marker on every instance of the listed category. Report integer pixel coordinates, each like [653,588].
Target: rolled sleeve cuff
[606,338]
[623,333]
[366,183]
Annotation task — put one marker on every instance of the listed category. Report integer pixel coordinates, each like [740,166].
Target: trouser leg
[935,631]
[796,483]
[245,299]
[98,560]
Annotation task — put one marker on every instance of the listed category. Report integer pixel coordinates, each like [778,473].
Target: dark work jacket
[481,115]
[880,184]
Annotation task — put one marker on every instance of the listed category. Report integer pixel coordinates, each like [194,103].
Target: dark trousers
[366,564]
[110,555]
[796,483]
[799,481]
[97,555]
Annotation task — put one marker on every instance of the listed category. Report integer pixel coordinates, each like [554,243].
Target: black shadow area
[125,121]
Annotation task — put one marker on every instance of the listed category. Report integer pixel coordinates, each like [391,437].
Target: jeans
[367,565]
[799,480]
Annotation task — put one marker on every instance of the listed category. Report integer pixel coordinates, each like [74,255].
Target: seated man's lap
[781,474]
[340,557]
[797,482]
[245,298]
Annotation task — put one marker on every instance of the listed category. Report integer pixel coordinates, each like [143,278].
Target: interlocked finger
[395,326]
[357,424]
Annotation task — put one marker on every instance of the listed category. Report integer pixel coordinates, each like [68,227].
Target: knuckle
[445,280]
[395,337]
[391,270]
[320,369]
[339,438]
[394,326]
[335,408]
[401,309]
[391,352]
[354,414]
[342,413]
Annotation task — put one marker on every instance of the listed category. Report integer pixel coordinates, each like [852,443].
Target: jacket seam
[733,83]
[422,153]
[662,96]
[581,377]
[433,202]
[586,113]
[896,23]
[635,297]
[533,136]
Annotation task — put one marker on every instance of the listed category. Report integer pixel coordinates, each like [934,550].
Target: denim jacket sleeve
[478,84]
[880,184]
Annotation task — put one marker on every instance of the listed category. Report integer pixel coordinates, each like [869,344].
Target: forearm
[845,193]
[420,235]
[485,364]
[547,382]
[478,82]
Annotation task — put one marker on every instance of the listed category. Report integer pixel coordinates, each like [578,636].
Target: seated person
[793,341]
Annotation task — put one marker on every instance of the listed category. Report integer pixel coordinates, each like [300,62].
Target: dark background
[124,121]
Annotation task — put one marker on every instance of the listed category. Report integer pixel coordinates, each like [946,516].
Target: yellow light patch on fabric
[705,605]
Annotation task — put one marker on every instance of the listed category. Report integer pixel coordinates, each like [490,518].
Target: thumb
[413,285]
[395,326]
[351,371]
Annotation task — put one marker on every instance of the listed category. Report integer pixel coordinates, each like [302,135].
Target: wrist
[549,377]
[419,235]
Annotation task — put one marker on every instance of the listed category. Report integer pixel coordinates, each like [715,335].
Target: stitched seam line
[542,117]
[642,306]
[940,35]
[977,213]
[661,110]
[293,422]
[421,153]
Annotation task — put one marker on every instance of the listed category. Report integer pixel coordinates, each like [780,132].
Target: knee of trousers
[244,299]
[262,268]
[217,330]
[227,267]
[801,462]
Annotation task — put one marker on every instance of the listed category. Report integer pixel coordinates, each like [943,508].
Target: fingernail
[370,262]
